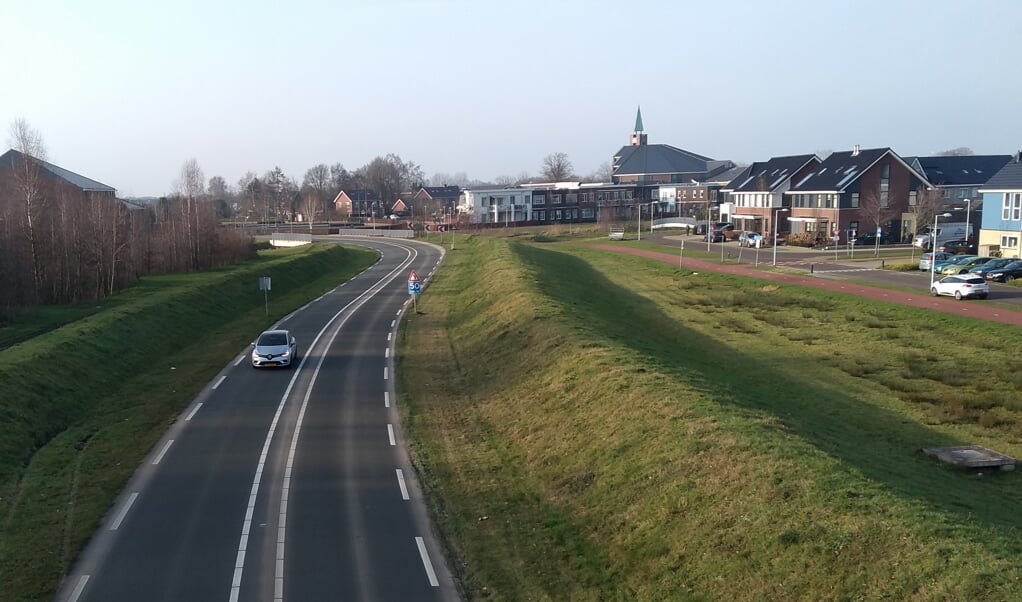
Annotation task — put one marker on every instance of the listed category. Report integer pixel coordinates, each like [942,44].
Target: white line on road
[241,359]
[386,352]
[220,380]
[386,399]
[392,322]
[401,484]
[389,334]
[384,374]
[163,451]
[390,434]
[78,589]
[194,410]
[124,511]
[426,563]
[399,312]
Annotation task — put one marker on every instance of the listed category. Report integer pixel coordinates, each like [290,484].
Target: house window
[912,198]
[557,214]
[540,216]
[539,199]
[628,195]
[1009,242]
[855,200]
[556,200]
[854,228]
[884,202]
[587,214]
[810,226]
[1016,207]
[572,198]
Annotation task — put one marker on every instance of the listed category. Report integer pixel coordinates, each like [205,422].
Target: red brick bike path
[948,305]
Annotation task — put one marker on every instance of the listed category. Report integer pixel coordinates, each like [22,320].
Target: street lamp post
[777,217]
[968,233]
[933,246]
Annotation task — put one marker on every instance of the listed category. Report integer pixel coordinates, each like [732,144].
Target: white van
[945,232]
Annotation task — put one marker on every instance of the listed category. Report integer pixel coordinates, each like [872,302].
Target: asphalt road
[284,484]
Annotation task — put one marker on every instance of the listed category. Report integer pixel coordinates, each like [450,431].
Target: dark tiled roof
[766,176]
[728,175]
[969,170]
[12,156]
[841,169]
[660,158]
[1009,177]
[361,194]
[442,192]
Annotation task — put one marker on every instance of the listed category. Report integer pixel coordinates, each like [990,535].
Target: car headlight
[285,354]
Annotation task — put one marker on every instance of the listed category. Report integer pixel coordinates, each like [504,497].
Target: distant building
[358,202]
[757,193]
[57,179]
[1002,209]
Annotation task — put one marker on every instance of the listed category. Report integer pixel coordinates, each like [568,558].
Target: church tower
[638,137]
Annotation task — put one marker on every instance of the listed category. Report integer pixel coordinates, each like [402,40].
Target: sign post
[264,285]
[414,289]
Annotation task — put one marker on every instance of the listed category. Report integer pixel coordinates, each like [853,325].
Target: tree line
[61,244]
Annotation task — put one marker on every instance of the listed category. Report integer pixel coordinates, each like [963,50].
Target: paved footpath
[948,305]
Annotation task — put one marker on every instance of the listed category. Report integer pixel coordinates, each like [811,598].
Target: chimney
[855,150]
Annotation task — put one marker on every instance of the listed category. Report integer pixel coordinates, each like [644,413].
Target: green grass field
[86,397]
[598,427]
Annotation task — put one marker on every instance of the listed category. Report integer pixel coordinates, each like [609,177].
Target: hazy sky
[125,92]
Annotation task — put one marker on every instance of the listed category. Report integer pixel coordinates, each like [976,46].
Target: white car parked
[961,286]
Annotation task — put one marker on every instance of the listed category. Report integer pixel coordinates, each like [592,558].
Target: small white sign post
[414,289]
[264,285]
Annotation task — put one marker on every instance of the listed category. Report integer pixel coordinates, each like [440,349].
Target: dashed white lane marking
[386,352]
[194,411]
[78,589]
[386,399]
[390,434]
[430,573]
[219,380]
[163,452]
[392,323]
[389,334]
[401,484]
[124,511]
[399,312]
[240,359]
[384,374]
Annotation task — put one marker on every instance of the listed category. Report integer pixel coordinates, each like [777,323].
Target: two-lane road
[284,484]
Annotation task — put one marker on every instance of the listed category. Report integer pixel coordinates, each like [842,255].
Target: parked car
[957,247]
[926,259]
[869,240]
[750,239]
[716,236]
[723,226]
[274,348]
[952,259]
[963,267]
[961,287]
[993,264]
[1007,272]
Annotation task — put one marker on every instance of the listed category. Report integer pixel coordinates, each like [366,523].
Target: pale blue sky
[125,92]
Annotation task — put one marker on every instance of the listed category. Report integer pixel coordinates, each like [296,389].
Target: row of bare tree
[62,244]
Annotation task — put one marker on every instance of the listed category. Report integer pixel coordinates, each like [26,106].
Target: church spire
[638,137]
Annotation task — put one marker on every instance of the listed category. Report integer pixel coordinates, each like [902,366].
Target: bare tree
[603,173]
[446,179]
[927,203]
[875,209]
[961,151]
[557,167]
[192,186]
[28,181]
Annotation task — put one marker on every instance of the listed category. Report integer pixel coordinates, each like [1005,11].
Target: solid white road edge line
[401,484]
[390,434]
[162,452]
[78,589]
[430,573]
[124,511]
[193,412]
[219,380]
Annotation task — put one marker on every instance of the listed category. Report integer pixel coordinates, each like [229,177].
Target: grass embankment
[84,403]
[599,427]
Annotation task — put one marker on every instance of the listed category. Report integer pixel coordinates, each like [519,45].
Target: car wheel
[958,295]
[963,271]
[1009,278]
[933,291]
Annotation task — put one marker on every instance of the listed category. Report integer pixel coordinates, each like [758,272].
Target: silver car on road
[274,348]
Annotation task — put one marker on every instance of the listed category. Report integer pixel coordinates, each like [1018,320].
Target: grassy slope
[599,427]
[98,392]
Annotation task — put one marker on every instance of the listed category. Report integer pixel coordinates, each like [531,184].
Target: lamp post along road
[968,233]
[933,246]
[777,217]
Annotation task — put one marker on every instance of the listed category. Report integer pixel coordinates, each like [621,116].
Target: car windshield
[272,339]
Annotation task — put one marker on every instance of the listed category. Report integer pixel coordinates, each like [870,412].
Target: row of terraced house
[835,198]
